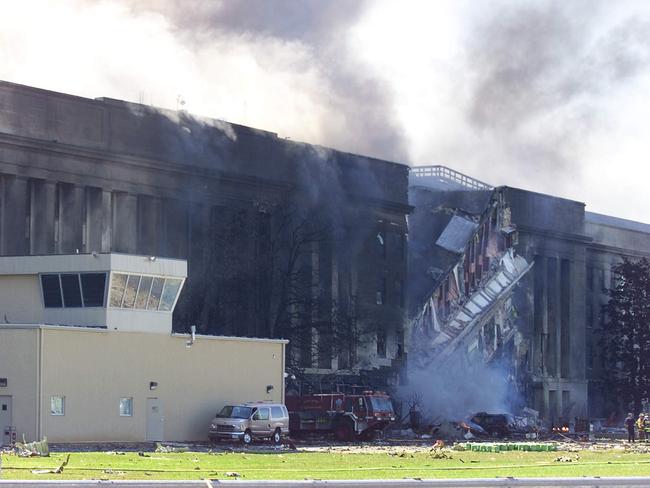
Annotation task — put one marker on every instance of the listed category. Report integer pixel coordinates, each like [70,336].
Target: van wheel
[277,437]
[247,438]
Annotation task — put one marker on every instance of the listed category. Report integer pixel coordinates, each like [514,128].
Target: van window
[276,412]
[262,414]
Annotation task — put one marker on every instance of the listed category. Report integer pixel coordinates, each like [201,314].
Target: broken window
[57,405]
[399,293]
[380,295]
[126,407]
[381,244]
[381,343]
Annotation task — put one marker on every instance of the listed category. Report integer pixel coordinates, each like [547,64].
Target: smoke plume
[543,95]
[455,392]
[282,66]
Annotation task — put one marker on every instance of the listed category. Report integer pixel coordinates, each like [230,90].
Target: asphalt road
[456,483]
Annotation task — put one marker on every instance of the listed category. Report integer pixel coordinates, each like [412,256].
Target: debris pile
[36,448]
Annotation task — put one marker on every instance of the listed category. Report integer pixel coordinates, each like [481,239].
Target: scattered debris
[165,449]
[58,470]
[566,459]
[232,474]
[36,448]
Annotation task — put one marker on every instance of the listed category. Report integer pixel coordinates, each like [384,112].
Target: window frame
[78,274]
[148,299]
[52,412]
[130,403]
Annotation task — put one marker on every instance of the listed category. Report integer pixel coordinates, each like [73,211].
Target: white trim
[104,330]
[232,338]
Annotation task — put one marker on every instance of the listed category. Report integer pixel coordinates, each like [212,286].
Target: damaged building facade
[515,279]
[282,239]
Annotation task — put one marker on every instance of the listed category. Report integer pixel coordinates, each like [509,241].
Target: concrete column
[552,308]
[150,225]
[71,219]
[107,221]
[176,232]
[540,339]
[125,222]
[13,214]
[99,220]
[41,213]
[572,337]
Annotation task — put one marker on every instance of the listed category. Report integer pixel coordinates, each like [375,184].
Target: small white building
[87,353]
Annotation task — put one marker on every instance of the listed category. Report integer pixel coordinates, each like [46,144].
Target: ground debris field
[324,461]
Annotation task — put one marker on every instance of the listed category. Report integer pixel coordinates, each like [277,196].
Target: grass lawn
[328,465]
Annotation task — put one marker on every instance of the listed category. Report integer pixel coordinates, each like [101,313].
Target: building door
[5,418]
[155,420]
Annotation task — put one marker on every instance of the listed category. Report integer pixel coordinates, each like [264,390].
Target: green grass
[329,465]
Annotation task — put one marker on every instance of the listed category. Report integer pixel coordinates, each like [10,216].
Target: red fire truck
[346,416]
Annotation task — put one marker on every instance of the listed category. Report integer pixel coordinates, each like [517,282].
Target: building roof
[71,263]
[608,220]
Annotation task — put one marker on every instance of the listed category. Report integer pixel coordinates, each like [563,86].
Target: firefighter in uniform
[640,426]
[646,427]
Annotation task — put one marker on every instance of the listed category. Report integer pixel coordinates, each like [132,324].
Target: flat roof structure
[110,290]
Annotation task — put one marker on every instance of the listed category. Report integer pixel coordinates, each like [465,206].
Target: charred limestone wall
[81,175]
[613,238]
[551,234]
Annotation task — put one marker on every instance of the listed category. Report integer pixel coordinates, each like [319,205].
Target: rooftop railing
[445,173]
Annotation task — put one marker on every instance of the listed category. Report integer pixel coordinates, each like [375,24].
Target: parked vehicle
[248,421]
[346,416]
[492,424]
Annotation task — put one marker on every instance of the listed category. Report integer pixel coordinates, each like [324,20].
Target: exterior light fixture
[269,388]
[153,385]
[189,343]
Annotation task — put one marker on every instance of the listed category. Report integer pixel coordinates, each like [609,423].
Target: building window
[93,286]
[381,244]
[126,407]
[57,405]
[144,292]
[52,297]
[399,293]
[381,343]
[73,290]
[380,295]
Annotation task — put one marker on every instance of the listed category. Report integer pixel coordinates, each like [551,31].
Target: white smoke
[456,391]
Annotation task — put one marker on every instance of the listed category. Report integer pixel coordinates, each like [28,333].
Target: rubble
[36,448]
[58,470]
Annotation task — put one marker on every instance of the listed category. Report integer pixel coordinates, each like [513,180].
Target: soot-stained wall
[281,237]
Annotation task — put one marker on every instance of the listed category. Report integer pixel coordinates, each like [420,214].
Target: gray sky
[551,96]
